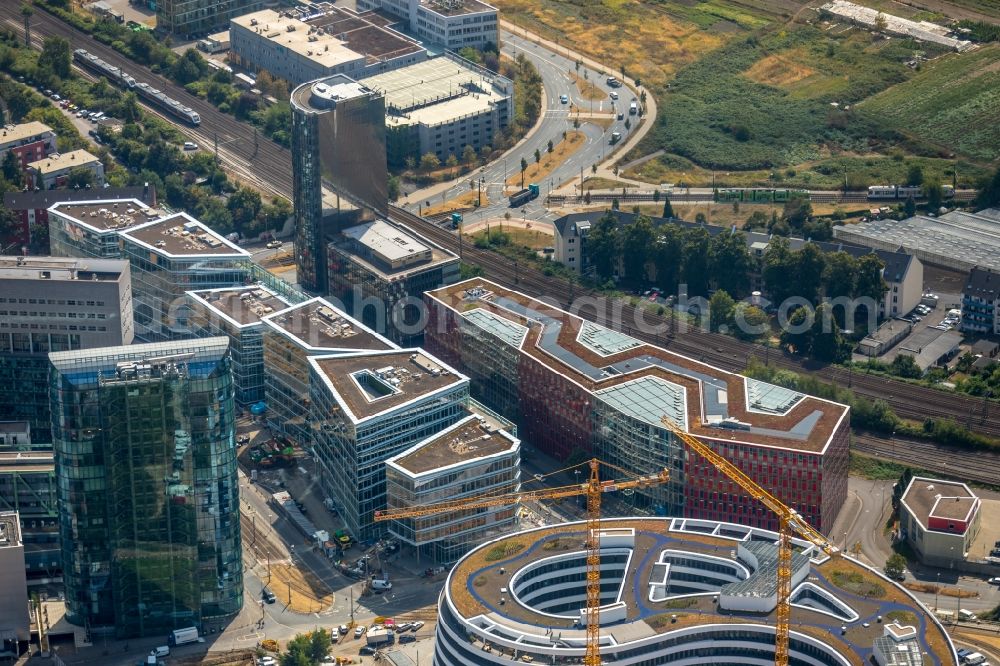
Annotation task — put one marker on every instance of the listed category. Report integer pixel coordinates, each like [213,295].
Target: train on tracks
[758,194]
[903,192]
[148,93]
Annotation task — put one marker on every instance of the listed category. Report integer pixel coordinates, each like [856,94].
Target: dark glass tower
[146,465]
[339,173]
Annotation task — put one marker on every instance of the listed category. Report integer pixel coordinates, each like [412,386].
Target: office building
[187,19]
[576,388]
[369,407]
[309,43]
[312,328]
[338,167]
[15,436]
[939,520]
[981,302]
[381,270]
[476,456]
[237,313]
[55,304]
[673,590]
[440,106]
[453,24]
[90,228]
[173,255]
[54,171]
[28,487]
[145,449]
[15,624]
[32,209]
[31,141]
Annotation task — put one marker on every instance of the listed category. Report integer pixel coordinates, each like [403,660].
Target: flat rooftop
[644,380]
[58,269]
[107,215]
[10,134]
[318,325]
[656,600]
[180,235]
[335,37]
[27,462]
[431,82]
[370,384]
[242,305]
[933,498]
[390,250]
[324,94]
[475,437]
[58,162]
[456,7]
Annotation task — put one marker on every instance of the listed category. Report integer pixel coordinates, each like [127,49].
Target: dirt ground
[300,591]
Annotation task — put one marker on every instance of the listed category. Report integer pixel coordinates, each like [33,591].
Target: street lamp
[937,590]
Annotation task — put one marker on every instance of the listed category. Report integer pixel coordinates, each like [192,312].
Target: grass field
[536,172]
[462,201]
[953,102]
[588,90]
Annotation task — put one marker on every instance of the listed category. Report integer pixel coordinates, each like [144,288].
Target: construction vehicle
[593,489]
[789,521]
[524,196]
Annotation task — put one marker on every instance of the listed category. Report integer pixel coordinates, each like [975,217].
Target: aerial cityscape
[455,333]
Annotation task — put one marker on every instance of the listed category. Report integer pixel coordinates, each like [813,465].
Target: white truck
[183,636]
[378,637]
[974,658]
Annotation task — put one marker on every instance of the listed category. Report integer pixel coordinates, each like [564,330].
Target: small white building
[939,519]
[453,24]
[473,457]
[54,170]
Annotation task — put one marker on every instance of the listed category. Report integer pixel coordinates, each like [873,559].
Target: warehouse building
[478,455]
[575,388]
[315,42]
[957,240]
[369,407]
[440,106]
[522,599]
[453,24]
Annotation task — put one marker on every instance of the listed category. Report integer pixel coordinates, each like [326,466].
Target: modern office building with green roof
[145,450]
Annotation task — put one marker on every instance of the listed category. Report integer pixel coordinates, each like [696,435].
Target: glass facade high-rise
[338,167]
[145,450]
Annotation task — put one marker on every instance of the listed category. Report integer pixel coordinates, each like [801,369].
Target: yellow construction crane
[788,519]
[593,488]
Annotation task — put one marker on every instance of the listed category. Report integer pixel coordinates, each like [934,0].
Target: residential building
[91,228]
[338,167]
[369,407]
[939,520]
[15,623]
[31,141]
[54,171]
[315,42]
[440,106]
[381,269]
[476,456]
[188,19]
[237,312]
[55,304]
[32,209]
[903,273]
[173,255]
[28,487]
[981,302]
[453,24]
[145,444]
[313,328]
[575,388]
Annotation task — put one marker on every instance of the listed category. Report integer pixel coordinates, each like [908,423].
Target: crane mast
[593,488]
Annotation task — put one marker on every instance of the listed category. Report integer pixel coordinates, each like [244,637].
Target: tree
[307,649]
[190,67]
[810,264]
[696,262]
[603,243]
[797,211]
[915,175]
[828,343]
[904,365]
[896,564]
[757,220]
[429,162]
[668,210]
[880,22]
[870,282]
[935,195]
[80,177]
[840,275]
[55,57]
[721,307]
[452,161]
[469,154]
[667,255]
[550,146]
[393,187]
[779,269]
[538,156]
[730,262]
[524,166]
[700,218]
[244,205]
[989,191]
[751,321]
[910,207]
[796,335]
[12,168]
[637,242]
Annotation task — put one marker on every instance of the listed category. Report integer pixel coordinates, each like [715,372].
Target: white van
[974,658]
[965,615]
[381,584]
[161,651]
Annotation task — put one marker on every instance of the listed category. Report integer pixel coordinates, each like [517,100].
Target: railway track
[271,167]
[962,464]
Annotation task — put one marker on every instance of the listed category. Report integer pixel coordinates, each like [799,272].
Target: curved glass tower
[145,454]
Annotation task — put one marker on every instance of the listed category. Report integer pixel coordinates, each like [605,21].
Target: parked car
[407,638]
[161,651]
[267,661]
[366,650]
[190,145]
[268,596]
[342,629]
[418,625]
[994,581]
[359,631]
[274,244]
